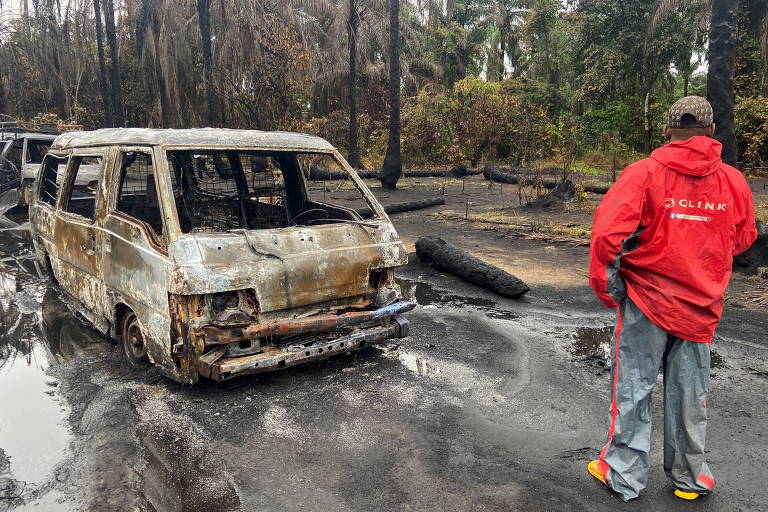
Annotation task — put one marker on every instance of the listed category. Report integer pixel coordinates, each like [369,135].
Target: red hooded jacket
[666,233]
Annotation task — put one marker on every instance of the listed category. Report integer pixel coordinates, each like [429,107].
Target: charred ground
[491,404]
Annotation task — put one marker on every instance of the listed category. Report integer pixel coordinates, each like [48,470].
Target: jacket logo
[671,202]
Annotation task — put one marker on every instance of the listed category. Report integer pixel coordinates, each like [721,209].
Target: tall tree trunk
[352,26]
[103,83]
[393,165]
[503,36]
[450,8]
[204,20]
[721,56]
[117,86]
[686,81]
[165,107]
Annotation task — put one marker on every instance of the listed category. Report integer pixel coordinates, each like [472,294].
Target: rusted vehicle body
[205,251]
[21,154]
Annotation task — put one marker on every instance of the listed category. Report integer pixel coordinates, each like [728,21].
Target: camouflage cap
[696,106]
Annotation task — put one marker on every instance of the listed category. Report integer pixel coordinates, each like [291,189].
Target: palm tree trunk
[450,8]
[721,56]
[204,20]
[353,24]
[162,92]
[393,165]
[117,86]
[103,83]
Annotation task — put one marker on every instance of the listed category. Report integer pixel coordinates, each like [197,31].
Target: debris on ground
[450,258]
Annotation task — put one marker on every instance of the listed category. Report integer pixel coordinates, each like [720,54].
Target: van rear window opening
[223,190]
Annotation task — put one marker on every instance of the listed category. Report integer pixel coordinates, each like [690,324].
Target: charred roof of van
[192,137]
[26,135]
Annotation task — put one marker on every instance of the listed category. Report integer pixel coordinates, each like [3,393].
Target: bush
[474,121]
[752,131]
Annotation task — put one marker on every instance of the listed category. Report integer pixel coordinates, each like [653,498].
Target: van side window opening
[83,184]
[36,150]
[329,199]
[13,155]
[224,190]
[50,179]
[137,194]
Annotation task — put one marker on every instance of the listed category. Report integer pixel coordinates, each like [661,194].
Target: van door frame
[86,257]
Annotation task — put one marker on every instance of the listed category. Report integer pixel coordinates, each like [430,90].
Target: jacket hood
[697,156]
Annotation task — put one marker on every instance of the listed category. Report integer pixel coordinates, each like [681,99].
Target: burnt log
[450,258]
[564,191]
[757,255]
[404,206]
[320,174]
[495,173]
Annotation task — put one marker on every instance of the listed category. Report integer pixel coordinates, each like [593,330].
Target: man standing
[663,242]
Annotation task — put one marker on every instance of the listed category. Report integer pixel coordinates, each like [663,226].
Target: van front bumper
[215,365]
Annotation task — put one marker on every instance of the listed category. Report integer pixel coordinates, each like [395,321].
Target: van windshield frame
[221,190]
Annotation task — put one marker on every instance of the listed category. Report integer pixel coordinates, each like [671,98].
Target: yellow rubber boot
[598,469]
[686,495]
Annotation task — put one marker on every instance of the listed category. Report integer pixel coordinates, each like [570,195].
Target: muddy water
[427,295]
[36,332]
[595,343]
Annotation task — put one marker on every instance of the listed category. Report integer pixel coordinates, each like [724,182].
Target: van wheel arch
[130,335]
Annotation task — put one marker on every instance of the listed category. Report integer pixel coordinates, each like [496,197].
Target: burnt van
[210,253]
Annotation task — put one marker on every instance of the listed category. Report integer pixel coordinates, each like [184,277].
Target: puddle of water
[418,365]
[37,332]
[592,342]
[425,294]
[595,343]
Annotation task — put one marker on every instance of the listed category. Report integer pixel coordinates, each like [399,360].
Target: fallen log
[404,206]
[496,173]
[450,258]
[757,254]
[564,191]
[319,174]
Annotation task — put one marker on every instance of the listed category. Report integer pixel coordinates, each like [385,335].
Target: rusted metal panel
[274,359]
[313,324]
[294,266]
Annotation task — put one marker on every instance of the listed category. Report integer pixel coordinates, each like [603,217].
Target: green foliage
[453,127]
[752,131]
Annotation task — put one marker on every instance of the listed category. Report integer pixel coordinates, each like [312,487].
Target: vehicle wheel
[133,340]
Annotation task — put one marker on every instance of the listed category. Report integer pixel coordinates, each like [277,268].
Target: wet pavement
[490,404]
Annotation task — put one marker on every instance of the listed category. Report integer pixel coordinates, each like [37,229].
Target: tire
[133,340]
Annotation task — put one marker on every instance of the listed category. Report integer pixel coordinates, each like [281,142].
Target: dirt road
[490,404]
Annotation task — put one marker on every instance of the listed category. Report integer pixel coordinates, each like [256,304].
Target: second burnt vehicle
[21,154]
[209,252]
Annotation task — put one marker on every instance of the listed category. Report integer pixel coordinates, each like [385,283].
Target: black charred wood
[450,258]
[404,206]
[757,255]
[318,173]
[564,191]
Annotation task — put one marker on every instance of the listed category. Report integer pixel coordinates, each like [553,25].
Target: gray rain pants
[639,349]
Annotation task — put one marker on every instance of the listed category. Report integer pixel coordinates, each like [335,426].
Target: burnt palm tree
[117,86]
[103,83]
[393,165]
[722,55]
[204,21]
[352,28]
